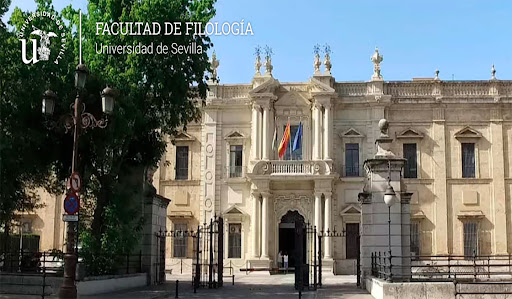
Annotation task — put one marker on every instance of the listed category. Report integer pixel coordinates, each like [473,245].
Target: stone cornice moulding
[317,89]
[183,137]
[235,135]
[267,89]
[351,133]
[467,133]
[409,133]
[347,209]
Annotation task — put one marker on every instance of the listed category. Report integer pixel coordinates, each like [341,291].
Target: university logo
[41,47]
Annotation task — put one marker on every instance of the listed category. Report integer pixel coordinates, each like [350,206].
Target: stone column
[265,138]
[498,183]
[327,131]
[254,133]
[327,224]
[264,225]
[317,144]
[318,211]
[255,224]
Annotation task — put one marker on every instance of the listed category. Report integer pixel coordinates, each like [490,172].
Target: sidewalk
[254,285]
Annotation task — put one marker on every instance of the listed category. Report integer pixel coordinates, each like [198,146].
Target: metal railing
[442,267]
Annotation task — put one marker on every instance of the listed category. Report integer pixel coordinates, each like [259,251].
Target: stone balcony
[296,168]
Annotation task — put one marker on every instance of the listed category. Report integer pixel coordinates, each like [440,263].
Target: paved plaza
[253,285]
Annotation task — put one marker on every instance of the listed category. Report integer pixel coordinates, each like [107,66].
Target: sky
[461,38]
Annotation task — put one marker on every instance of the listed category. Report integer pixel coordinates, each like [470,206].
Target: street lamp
[390,199]
[49,99]
[81,73]
[79,120]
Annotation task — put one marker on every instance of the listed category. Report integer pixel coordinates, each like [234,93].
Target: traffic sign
[71,203]
[69,218]
[75,182]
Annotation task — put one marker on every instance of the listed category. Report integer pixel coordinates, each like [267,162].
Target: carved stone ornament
[376,59]
[214,64]
[317,63]
[327,63]
[300,203]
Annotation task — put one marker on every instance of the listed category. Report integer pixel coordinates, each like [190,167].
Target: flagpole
[290,139]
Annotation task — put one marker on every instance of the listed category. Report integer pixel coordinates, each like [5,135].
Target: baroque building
[455,135]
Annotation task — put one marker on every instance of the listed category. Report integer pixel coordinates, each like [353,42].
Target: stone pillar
[327,131]
[266,129]
[255,224]
[378,234]
[264,225]
[498,183]
[442,232]
[317,138]
[254,133]
[318,211]
[260,131]
[327,224]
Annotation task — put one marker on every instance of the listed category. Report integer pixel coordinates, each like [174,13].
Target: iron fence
[459,268]
[208,252]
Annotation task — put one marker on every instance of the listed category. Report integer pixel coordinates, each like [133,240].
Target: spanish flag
[284,141]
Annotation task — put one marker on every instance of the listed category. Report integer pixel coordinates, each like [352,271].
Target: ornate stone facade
[438,116]
[428,112]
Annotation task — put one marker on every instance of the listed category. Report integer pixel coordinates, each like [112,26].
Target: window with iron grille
[415,238]
[470,238]
[468,160]
[235,161]
[180,240]
[296,154]
[182,162]
[352,159]
[410,167]
[235,240]
[352,247]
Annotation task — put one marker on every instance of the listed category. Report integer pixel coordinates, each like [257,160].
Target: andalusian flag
[284,141]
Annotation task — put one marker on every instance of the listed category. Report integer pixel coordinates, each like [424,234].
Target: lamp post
[389,199]
[79,120]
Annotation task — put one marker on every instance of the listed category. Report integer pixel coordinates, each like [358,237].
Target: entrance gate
[352,234]
[208,252]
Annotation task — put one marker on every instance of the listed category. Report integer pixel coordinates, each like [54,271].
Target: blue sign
[71,204]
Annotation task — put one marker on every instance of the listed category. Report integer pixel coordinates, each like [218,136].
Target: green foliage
[156,94]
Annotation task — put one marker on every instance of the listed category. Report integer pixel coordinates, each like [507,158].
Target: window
[415,238]
[410,170]
[235,240]
[468,160]
[235,161]
[470,238]
[297,154]
[352,247]
[352,159]
[182,162]
[180,240]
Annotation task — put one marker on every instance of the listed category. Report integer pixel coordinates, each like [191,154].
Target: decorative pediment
[350,210]
[292,99]
[234,212]
[266,89]
[470,215]
[316,87]
[184,136]
[418,215]
[468,132]
[351,133]
[409,133]
[234,136]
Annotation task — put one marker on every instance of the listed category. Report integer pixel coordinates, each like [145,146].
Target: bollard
[177,281]
[233,277]
[300,293]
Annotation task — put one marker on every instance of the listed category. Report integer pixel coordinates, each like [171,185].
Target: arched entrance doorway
[287,235]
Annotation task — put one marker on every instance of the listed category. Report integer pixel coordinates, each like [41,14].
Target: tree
[156,95]
[30,156]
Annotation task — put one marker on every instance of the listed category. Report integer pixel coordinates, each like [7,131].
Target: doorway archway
[287,235]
